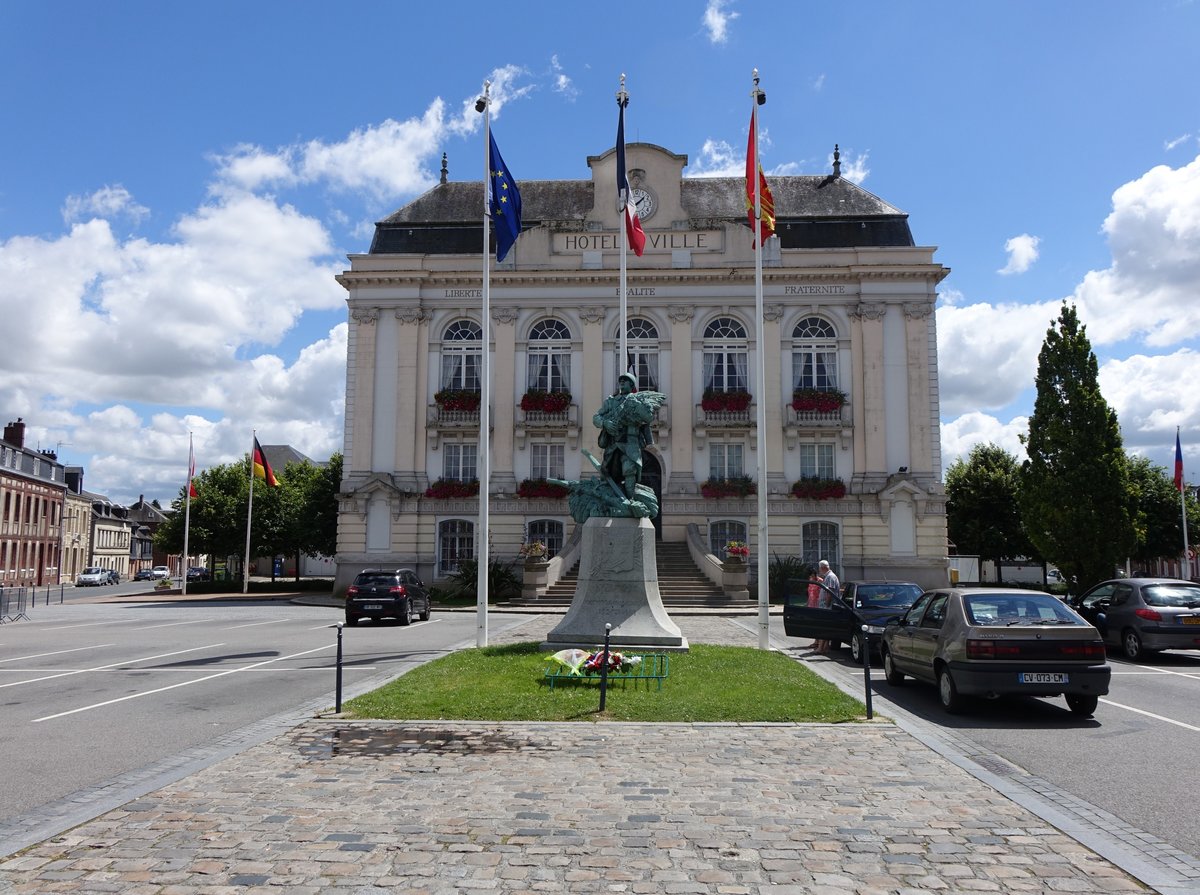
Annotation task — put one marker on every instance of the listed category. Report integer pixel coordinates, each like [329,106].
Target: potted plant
[814,488]
[819,400]
[458,399]
[737,551]
[448,489]
[535,488]
[533,551]
[546,402]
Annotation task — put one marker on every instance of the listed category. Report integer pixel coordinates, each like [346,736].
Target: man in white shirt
[832,586]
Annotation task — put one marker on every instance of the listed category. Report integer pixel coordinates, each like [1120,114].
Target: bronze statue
[624,423]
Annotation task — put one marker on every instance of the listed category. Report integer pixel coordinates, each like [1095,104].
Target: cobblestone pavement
[338,807]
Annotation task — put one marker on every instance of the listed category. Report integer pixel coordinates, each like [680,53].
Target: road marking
[1130,708]
[83,625]
[200,680]
[190,621]
[270,621]
[57,652]
[51,677]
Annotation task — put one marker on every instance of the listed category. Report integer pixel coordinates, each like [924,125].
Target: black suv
[387,593]
[870,603]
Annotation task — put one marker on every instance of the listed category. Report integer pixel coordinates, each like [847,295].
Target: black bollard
[867,669]
[604,668]
[337,704]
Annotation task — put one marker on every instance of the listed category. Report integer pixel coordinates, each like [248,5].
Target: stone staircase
[679,581]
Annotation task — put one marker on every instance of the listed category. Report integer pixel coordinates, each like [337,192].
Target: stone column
[591,391]
[360,389]
[410,370]
[683,478]
[776,481]
[922,421]
[503,402]
[870,408]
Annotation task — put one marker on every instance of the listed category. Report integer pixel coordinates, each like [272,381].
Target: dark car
[198,573]
[997,642]
[1144,615]
[114,577]
[387,593]
[144,575]
[870,603]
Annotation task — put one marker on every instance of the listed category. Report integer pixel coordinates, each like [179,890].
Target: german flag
[262,469]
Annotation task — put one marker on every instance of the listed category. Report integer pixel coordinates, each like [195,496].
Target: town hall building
[849,349]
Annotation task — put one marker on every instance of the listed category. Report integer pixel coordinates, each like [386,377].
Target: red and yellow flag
[262,469]
[767,203]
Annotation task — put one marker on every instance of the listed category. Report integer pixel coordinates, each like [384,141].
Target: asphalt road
[91,691]
[1136,758]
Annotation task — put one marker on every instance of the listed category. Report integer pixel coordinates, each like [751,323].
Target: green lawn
[707,683]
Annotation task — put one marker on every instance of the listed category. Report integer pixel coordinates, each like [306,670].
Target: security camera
[762,98]
[480,104]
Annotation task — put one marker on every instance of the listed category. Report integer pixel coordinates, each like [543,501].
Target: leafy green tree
[1074,495]
[1158,519]
[982,514]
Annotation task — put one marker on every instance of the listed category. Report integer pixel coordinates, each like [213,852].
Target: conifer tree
[1074,497]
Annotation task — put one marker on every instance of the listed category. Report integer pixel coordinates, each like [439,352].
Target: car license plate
[372,606]
[1191,619]
[1043,677]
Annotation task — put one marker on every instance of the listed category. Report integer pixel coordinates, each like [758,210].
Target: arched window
[641,341]
[456,542]
[722,532]
[818,541]
[549,532]
[461,356]
[725,367]
[814,355]
[549,351]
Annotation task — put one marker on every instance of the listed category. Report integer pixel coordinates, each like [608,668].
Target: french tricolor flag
[633,224]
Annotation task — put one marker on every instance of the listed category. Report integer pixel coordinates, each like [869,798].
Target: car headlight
[875,629]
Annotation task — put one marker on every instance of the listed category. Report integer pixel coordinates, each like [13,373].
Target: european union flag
[504,201]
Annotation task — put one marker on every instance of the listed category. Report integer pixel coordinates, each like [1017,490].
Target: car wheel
[948,693]
[1131,645]
[1084,706]
[424,616]
[891,673]
[856,648]
[351,620]
[406,613]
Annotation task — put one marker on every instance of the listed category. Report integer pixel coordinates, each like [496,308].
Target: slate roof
[823,211]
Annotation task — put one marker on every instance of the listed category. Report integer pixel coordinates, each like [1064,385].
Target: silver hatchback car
[997,642]
[1144,615]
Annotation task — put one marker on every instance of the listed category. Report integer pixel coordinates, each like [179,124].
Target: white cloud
[1022,252]
[818,83]
[1152,394]
[854,168]
[718,159]
[109,202]
[716,20]
[987,354]
[961,434]
[1178,141]
[561,81]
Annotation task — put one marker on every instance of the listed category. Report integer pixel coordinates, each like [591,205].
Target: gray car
[997,642]
[1144,615]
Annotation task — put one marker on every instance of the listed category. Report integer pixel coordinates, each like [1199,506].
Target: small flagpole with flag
[187,512]
[1182,489]
[249,513]
[756,194]
[631,228]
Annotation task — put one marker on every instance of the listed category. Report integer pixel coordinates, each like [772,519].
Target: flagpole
[758,98]
[249,515]
[187,514]
[483,463]
[623,336]
[1187,565]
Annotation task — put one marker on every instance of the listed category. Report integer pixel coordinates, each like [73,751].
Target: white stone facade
[864,310]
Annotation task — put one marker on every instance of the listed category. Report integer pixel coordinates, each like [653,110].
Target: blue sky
[179,183]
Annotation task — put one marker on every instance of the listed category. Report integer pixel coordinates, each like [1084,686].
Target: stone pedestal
[618,585]
[534,578]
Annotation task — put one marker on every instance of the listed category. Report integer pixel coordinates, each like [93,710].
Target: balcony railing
[438,419]
[821,425]
[543,422]
[707,422]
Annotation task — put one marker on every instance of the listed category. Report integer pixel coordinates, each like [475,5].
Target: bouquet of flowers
[533,550]
[616,662]
[738,549]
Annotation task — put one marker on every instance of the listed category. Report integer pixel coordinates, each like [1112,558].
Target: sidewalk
[337,807]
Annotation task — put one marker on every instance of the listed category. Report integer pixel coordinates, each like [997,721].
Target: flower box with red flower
[819,489]
[714,401]
[738,551]
[532,489]
[817,400]
[458,399]
[715,489]
[545,402]
[449,489]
